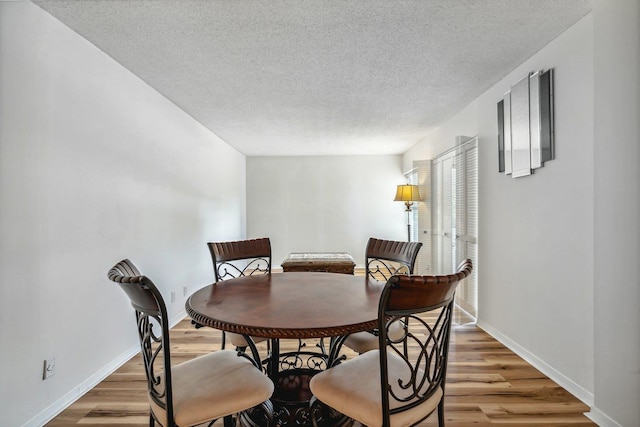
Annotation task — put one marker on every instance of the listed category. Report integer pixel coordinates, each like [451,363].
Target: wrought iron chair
[384,258]
[209,387]
[240,258]
[404,383]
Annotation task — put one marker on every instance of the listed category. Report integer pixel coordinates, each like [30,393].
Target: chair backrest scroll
[384,258]
[240,258]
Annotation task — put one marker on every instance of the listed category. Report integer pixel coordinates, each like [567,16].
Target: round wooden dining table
[298,305]
[289,305]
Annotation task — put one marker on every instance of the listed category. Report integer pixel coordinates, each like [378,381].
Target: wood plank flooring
[487,385]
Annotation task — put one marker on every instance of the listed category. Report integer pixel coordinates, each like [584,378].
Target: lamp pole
[409,204]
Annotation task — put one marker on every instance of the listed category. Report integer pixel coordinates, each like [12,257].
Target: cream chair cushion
[238,340]
[361,342]
[213,386]
[353,388]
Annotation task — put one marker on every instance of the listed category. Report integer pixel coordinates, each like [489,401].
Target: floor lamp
[408,194]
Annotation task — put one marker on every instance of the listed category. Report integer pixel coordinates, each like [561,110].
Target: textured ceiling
[319,77]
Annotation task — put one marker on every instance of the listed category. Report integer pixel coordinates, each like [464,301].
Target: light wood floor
[487,385]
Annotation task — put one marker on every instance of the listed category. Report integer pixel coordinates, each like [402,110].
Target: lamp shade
[407,193]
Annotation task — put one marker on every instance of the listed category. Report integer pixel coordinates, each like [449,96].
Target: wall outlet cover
[49,368]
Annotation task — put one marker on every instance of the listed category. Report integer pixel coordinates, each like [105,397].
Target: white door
[455,217]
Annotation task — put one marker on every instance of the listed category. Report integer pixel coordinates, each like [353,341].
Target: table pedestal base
[291,397]
[291,404]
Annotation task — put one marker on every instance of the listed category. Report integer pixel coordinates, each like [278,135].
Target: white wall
[324,204]
[535,268]
[559,250]
[617,212]
[536,261]
[95,166]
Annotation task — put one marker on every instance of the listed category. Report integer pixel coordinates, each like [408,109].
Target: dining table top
[289,305]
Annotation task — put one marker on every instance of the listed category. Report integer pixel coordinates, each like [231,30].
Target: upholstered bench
[330,262]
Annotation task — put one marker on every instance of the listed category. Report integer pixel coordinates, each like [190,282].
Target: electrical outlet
[49,368]
[173,296]
[185,290]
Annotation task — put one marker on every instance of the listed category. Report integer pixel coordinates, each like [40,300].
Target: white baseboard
[575,389]
[77,392]
[601,418]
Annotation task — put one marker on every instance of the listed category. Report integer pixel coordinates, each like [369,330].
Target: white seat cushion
[353,388]
[361,342]
[213,386]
